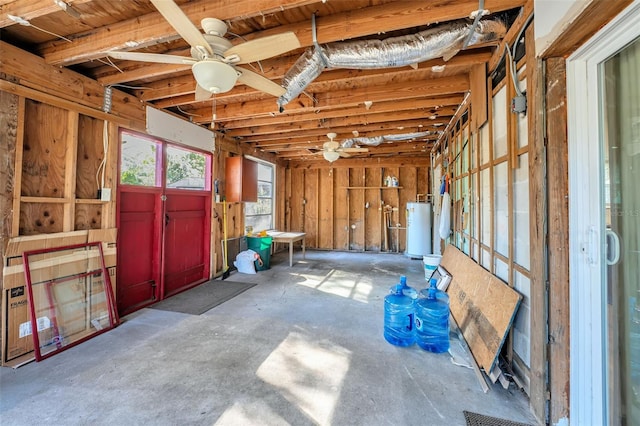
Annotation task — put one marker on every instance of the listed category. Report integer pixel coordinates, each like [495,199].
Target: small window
[259,215]
[186,169]
[139,161]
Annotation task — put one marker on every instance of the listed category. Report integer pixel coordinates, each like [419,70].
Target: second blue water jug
[432,320]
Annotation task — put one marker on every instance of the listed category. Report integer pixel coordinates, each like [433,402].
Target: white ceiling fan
[331,150]
[214,58]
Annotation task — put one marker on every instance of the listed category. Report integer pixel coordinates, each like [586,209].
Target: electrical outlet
[105,194]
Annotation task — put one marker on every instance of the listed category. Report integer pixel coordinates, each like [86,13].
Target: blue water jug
[432,319]
[398,318]
[406,289]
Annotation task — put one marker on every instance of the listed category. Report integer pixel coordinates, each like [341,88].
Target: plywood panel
[45,138]
[9,124]
[341,230]
[297,195]
[90,155]
[356,208]
[373,210]
[310,205]
[38,218]
[88,216]
[482,305]
[325,209]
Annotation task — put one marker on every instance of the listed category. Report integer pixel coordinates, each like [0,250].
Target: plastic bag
[445,217]
[244,262]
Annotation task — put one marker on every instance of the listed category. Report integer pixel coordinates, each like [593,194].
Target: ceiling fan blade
[182,24]
[263,48]
[344,154]
[354,150]
[259,82]
[330,146]
[151,57]
[202,94]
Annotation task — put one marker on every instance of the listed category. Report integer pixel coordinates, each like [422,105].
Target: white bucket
[431,262]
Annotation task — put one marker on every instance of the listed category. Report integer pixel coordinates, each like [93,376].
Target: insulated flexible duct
[400,51]
[377,140]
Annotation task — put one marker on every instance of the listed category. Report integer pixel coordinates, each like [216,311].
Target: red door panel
[186,241]
[138,250]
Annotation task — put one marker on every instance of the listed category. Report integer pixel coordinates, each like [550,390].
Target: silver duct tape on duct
[392,52]
[377,140]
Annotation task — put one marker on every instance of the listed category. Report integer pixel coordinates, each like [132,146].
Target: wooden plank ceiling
[403,100]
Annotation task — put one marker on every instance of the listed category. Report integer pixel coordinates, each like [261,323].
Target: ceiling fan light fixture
[331,156]
[215,76]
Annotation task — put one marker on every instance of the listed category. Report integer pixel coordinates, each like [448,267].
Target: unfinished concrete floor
[303,347]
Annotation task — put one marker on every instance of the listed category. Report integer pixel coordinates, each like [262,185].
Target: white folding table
[288,237]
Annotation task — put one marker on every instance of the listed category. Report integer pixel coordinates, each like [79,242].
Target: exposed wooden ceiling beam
[428,104]
[445,86]
[152,28]
[351,121]
[366,130]
[31,9]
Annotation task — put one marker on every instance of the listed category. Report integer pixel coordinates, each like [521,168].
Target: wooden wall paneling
[477,82]
[235,221]
[280,194]
[373,212]
[41,218]
[341,230]
[325,208]
[111,177]
[311,205]
[296,200]
[287,201]
[558,237]
[71,152]
[422,179]
[391,198]
[62,86]
[538,389]
[9,107]
[88,216]
[17,166]
[44,151]
[356,208]
[90,155]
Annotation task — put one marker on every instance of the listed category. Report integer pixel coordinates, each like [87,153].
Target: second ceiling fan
[215,60]
[331,150]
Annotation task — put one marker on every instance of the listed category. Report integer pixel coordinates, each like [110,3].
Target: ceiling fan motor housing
[215,76]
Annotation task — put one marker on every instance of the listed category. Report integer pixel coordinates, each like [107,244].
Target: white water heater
[418,229]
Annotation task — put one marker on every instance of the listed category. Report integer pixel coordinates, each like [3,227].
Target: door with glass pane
[603,95]
[164,227]
[620,118]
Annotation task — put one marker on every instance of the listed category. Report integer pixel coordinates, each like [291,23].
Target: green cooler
[262,246]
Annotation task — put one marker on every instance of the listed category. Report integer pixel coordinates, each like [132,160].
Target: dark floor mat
[475,419]
[200,299]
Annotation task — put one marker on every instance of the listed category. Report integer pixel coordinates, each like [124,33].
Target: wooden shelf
[43,200]
[90,201]
[372,187]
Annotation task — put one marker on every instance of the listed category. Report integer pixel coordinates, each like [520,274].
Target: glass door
[620,117]
[603,95]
